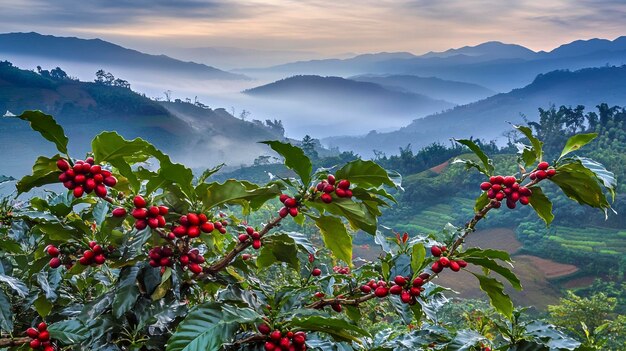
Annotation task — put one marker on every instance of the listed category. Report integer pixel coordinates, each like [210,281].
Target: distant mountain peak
[495,49]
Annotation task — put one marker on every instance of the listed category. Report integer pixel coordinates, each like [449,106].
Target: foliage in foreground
[159,259]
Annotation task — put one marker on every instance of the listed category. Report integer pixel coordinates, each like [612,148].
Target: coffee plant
[140,254]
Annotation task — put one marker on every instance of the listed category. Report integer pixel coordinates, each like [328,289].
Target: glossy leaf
[365,174]
[418,255]
[47,126]
[335,236]
[15,284]
[235,192]
[339,329]
[576,142]
[580,184]
[208,326]
[45,172]
[69,332]
[492,265]
[481,201]
[497,297]
[605,177]
[295,159]
[6,315]
[487,166]
[541,204]
[537,145]
[278,248]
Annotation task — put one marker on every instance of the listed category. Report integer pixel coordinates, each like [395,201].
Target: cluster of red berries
[380,288]
[499,187]
[286,341]
[192,259]
[543,171]
[444,261]
[251,234]
[341,270]
[148,216]
[193,224]
[327,187]
[85,177]
[41,338]
[408,292]
[95,255]
[161,256]
[290,208]
[53,251]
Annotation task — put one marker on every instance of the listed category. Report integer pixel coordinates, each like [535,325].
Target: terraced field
[436,217]
[592,240]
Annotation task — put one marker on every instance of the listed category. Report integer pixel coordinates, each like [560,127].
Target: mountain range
[488,118]
[349,97]
[495,65]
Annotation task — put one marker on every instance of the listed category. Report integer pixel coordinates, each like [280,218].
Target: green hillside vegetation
[87,108]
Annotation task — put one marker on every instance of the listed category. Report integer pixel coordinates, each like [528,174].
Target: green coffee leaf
[47,126]
[541,204]
[295,159]
[365,174]
[487,166]
[497,297]
[335,236]
[45,172]
[576,142]
[537,145]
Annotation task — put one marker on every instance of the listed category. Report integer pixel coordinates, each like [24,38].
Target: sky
[324,27]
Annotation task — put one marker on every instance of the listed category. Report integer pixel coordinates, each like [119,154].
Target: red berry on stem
[509,180]
[524,200]
[462,263]
[336,307]
[52,251]
[119,212]
[485,186]
[139,213]
[44,336]
[316,272]
[141,224]
[395,290]
[326,198]
[365,289]
[32,333]
[455,266]
[293,211]
[63,164]
[35,344]
[55,262]
[101,190]
[344,184]
[400,280]
[444,261]
[193,232]
[256,244]
[541,174]
[264,329]
[78,191]
[290,202]
[42,326]
[437,267]
[207,227]
[551,173]
[417,282]
[331,179]
[283,197]
[381,291]
[283,212]
[193,219]
[243,237]
[436,251]
[139,201]
[543,165]
[276,335]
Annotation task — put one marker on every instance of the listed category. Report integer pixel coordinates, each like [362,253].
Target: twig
[226,260]
[6,342]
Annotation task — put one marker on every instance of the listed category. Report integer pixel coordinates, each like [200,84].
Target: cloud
[327,26]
